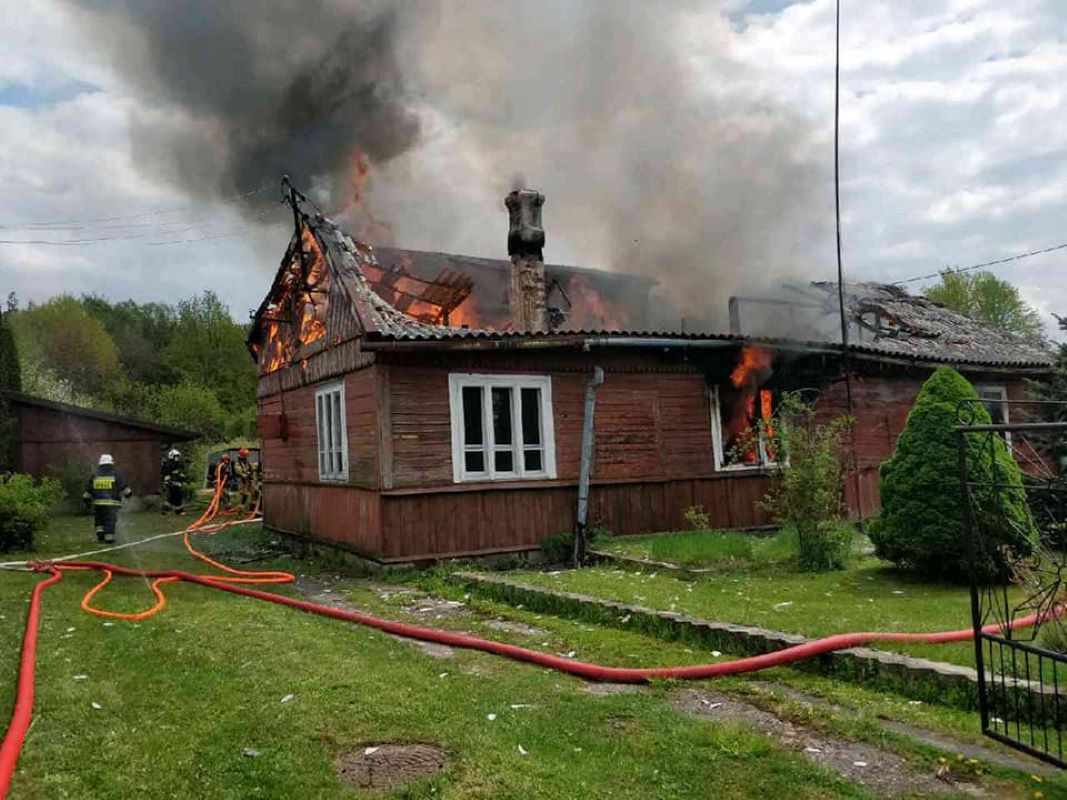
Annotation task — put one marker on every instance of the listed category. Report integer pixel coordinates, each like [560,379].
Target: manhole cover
[385,765]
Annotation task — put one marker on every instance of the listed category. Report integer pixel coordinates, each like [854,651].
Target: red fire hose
[12,742]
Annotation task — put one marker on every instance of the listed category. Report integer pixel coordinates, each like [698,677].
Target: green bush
[825,547]
[920,527]
[807,493]
[559,547]
[24,507]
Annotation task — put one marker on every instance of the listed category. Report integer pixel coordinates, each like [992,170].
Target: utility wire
[145,235]
[138,215]
[1017,257]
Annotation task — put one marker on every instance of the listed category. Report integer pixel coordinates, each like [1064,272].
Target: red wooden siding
[647,425]
[338,514]
[501,519]
[296,457]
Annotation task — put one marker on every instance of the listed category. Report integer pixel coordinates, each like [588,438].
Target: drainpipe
[581,531]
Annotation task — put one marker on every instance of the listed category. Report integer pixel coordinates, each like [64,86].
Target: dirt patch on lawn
[320,591]
[884,773]
[428,607]
[521,628]
[604,689]
[386,766]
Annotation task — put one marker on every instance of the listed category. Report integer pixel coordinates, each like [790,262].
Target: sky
[953,152]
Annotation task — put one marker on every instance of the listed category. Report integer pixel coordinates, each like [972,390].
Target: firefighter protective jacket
[173,472]
[106,487]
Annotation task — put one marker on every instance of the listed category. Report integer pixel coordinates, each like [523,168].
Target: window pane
[328,438]
[475,461]
[472,415]
[531,416]
[532,460]
[338,420]
[501,415]
[505,461]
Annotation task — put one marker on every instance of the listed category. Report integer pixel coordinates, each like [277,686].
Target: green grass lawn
[183,695]
[869,596]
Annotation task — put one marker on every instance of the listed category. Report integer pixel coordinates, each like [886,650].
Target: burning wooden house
[415,406]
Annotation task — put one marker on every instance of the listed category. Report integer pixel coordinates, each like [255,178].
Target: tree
[984,297]
[920,526]
[194,408]
[67,341]
[10,380]
[10,373]
[140,331]
[207,348]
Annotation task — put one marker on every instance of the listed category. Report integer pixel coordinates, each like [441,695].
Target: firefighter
[223,476]
[242,473]
[257,484]
[173,471]
[105,490]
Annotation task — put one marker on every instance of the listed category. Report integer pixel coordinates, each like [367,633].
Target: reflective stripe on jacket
[106,487]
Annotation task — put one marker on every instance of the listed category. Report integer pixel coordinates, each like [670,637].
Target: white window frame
[457,382]
[718,445]
[331,432]
[1001,393]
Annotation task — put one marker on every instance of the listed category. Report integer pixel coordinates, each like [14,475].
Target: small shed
[50,436]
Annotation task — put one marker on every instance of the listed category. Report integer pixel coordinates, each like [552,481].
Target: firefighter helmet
[106,459]
[174,454]
[242,453]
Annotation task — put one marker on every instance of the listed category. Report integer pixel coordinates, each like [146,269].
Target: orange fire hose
[13,739]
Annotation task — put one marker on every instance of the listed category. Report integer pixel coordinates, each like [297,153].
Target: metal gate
[1022,671]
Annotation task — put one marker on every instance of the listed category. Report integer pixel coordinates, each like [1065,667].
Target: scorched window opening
[331,432]
[743,427]
[501,427]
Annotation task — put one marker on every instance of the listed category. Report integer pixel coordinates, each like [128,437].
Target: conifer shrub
[920,527]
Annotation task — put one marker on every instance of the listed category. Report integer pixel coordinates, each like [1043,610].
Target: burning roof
[360,290]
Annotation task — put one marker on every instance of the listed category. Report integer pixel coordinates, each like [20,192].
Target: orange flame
[364,223]
[590,310]
[753,368]
[296,319]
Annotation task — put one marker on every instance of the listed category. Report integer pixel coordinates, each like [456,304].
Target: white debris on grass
[369,751]
[287,698]
[96,705]
[522,750]
[780,606]
[80,677]
[490,717]
[250,752]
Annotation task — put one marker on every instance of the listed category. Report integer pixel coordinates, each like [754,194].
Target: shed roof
[885,321]
[165,432]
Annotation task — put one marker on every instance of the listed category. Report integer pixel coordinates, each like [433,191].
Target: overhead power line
[159,234]
[137,215]
[995,262]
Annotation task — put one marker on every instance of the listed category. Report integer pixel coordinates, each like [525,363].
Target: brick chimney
[526,237]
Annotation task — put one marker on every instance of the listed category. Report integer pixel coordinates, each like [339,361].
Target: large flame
[754,367]
[296,318]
